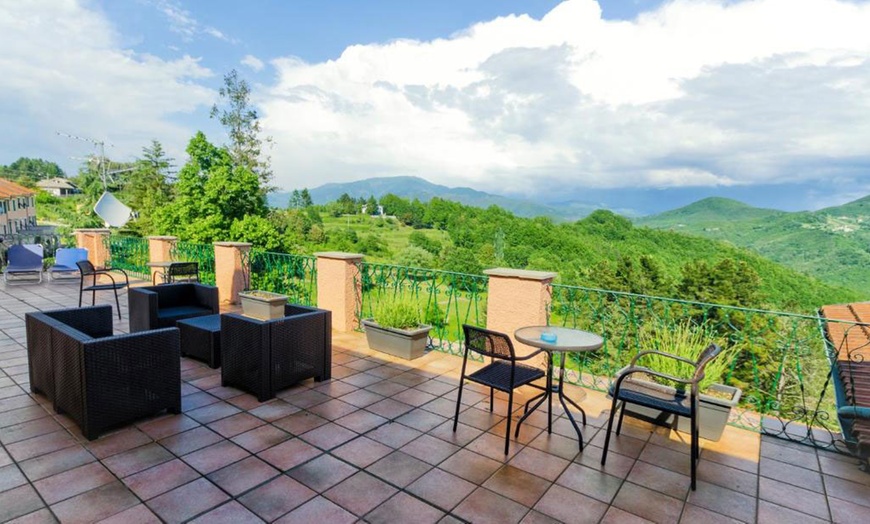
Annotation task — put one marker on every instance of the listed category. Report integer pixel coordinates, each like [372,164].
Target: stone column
[229,268]
[339,288]
[160,250]
[96,241]
[517,298]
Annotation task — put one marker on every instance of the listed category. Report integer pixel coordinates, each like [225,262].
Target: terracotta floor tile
[793,497]
[362,451]
[328,436]
[461,437]
[386,388]
[770,513]
[492,446]
[731,459]
[728,477]
[441,489]
[18,501]
[11,477]
[693,514]
[805,458]
[187,501]
[235,424]
[421,420]
[139,514]
[848,512]
[429,449]
[322,473]
[247,401]
[96,504]
[40,516]
[435,387]
[517,485]
[845,469]
[590,482]
[26,430]
[659,479]
[273,411]
[361,380]
[570,507]
[539,463]
[167,426]
[160,479]
[212,412]
[320,510]
[191,440]
[333,409]
[484,506]
[724,501]
[307,399]
[399,469]
[299,423]
[404,508]
[647,503]
[276,498]
[615,515]
[565,447]
[629,446]
[73,482]
[414,397]
[801,477]
[360,493]
[847,490]
[389,408]
[335,388]
[137,459]
[263,437]
[470,466]
[197,400]
[361,398]
[225,392]
[230,513]
[393,435]
[215,456]
[289,454]
[445,407]
[119,442]
[361,421]
[25,413]
[36,446]
[56,462]
[237,478]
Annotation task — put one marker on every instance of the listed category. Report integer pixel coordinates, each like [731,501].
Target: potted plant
[263,305]
[715,398]
[397,329]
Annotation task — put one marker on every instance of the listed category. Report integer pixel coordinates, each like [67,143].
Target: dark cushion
[172,314]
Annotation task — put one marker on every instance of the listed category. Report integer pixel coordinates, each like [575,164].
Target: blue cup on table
[548,337]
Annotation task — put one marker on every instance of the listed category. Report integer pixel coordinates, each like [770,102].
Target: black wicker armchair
[153,307]
[100,380]
[263,357]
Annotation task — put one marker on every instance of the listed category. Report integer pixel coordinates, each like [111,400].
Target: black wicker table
[201,338]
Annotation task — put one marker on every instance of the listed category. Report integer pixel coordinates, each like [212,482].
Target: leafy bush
[401,314]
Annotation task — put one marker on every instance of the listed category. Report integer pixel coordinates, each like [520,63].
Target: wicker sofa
[98,379]
[264,357]
[153,307]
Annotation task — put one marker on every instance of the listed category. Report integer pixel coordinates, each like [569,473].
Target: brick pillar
[229,269]
[160,250]
[517,298]
[96,241]
[338,288]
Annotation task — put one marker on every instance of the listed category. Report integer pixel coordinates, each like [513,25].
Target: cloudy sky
[638,104]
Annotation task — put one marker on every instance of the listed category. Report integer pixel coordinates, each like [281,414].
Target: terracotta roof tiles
[9,189]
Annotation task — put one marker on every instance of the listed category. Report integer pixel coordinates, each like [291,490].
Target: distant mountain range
[832,244]
[413,187]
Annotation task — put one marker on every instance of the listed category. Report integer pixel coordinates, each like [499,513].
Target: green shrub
[398,315]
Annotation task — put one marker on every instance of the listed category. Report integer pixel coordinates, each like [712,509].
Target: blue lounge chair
[65,259]
[25,263]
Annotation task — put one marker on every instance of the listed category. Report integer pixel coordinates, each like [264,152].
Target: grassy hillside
[832,244]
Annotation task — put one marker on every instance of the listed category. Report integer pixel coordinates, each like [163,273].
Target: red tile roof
[9,189]
[849,337]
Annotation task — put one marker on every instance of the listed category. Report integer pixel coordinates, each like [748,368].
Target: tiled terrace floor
[375,444]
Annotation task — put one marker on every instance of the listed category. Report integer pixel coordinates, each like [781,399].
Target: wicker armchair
[263,357]
[99,380]
[153,307]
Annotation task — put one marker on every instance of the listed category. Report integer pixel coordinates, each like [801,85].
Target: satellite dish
[113,212]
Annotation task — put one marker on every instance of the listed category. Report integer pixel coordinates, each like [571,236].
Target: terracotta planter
[263,305]
[403,343]
[713,411]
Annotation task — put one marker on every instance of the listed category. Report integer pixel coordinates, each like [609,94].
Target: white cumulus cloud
[694,93]
[253,62]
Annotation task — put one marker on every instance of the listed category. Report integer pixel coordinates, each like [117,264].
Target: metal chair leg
[609,427]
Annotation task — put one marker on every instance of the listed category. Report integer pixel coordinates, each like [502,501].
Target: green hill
[831,244]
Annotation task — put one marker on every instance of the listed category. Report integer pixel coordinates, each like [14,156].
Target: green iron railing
[291,275]
[202,254]
[780,358]
[130,254]
[447,299]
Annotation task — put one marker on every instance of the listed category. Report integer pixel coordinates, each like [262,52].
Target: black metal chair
[178,272]
[645,394]
[504,372]
[88,270]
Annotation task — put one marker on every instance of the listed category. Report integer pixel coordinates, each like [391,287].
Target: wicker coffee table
[201,339]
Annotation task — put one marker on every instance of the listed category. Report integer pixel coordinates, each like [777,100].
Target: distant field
[390,230]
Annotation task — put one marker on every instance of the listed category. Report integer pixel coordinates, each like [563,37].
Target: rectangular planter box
[407,344]
[713,411]
[262,305]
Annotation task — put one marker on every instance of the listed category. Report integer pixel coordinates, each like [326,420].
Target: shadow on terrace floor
[375,443]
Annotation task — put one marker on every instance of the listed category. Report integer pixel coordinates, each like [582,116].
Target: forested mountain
[413,187]
[832,244]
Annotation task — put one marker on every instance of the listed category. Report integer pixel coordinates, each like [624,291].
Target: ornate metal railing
[130,254]
[202,254]
[291,275]
[447,299]
[779,359]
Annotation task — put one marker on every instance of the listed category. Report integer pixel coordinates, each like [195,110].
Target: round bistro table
[567,341]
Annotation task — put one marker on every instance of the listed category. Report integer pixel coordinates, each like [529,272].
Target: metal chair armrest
[640,369]
[662,353]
